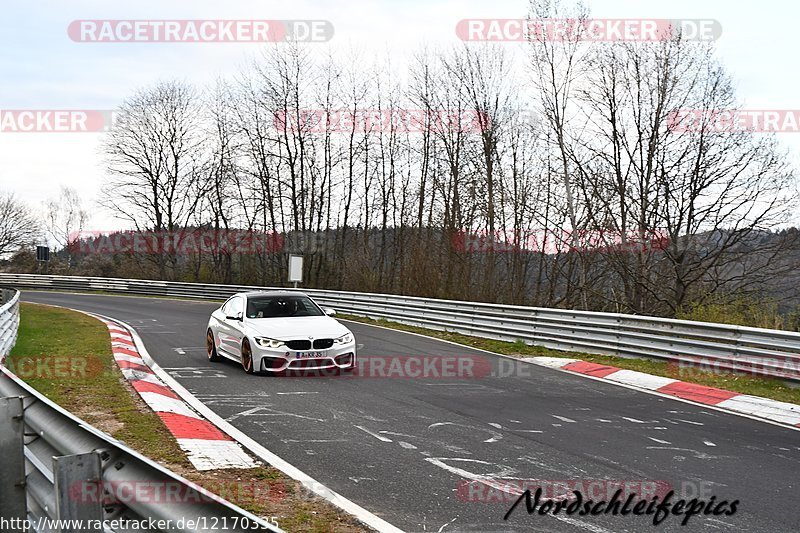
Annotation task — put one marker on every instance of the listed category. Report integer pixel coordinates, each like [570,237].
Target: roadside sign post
[295,269]
[42,254]
[42,257]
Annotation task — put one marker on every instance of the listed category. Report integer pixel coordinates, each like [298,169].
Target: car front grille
[323,344]
[310,363]
[299,345]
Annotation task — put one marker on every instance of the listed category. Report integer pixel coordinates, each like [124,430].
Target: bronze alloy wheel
[211,347]
[247,357]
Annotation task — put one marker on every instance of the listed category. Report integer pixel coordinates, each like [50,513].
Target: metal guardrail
[730,348]
[9,320]
[54,468]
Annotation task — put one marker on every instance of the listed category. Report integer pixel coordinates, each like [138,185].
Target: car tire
[247,358]
[211,347]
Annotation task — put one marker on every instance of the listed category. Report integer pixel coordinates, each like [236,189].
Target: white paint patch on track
[164,404]
[640,379]
[215,454]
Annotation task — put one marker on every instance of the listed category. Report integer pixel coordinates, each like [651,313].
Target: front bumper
[281,359]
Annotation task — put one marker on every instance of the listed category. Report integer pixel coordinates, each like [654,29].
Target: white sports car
[272,331]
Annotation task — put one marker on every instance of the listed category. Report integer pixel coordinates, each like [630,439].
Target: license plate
[309,355]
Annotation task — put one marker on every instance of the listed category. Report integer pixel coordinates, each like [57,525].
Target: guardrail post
[79,491]
[13,507]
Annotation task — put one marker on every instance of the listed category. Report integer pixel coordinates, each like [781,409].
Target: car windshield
[281,306]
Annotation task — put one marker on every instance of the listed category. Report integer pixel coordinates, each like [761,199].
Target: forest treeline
[373,170]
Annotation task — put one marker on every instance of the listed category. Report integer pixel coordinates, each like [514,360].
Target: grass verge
[775,389]
[66,356]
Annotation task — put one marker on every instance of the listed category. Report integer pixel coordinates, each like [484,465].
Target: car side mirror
[238,316]
[329,311]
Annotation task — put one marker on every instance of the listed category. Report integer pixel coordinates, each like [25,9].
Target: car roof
[252,294]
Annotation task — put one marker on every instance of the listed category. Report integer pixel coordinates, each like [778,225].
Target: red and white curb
[206,447]
[773,410]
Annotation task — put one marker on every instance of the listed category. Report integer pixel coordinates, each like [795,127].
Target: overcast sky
[43,69]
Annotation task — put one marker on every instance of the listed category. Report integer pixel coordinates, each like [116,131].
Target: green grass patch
[66,356]
[775,389]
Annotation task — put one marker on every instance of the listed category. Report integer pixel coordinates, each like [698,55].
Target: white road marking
[180,351]
[528,430]
[563,418]
[603,420]
[385,432]
[287,441]
[504,487]
[708,443]
[720,522]
[379,437]
[407,445]
[659,440]
[185,373]
[495,436]
[258,411]
[690,422]
[697,454]
[634,420]
[445,525]
[584,525]
[495,425]
[298,392]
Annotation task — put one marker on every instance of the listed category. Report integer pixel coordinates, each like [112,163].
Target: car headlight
[344,339]
[266,342]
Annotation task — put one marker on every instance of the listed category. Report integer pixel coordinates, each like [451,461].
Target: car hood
[299,327]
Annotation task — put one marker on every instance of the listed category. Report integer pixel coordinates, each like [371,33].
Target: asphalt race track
[401,447]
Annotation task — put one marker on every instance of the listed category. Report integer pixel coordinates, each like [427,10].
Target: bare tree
[18,225]
[64,216]
[709,192]
[156,161]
